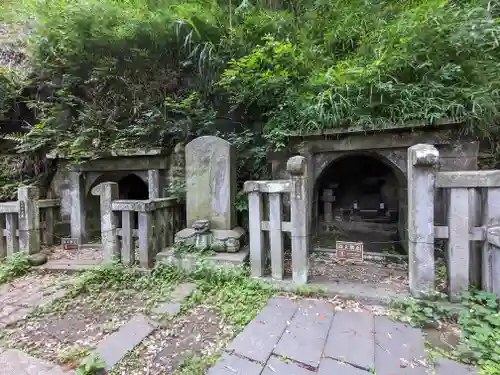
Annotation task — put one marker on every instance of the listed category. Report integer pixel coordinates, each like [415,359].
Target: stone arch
[394,160]
[373,177]
[95,178]
[131,185]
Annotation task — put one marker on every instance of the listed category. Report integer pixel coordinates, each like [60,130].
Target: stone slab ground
[21,296]
[309,337]
[290,336]
[15,362]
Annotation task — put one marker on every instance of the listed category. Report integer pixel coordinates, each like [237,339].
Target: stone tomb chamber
[359,188]
[140,174]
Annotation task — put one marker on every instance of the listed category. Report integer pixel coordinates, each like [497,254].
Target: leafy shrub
[14,266]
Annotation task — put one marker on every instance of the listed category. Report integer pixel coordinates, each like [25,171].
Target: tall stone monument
[210,196]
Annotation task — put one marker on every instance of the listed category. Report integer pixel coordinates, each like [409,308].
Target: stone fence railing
[27,222]
[158,220]
[472,230]
[299,225]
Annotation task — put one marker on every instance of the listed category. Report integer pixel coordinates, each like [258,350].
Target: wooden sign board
[70,243]
[349,250]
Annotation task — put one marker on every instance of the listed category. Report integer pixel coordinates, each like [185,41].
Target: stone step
[114,347]
[173,305]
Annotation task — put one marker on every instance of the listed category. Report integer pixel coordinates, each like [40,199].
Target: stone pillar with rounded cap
[422,159]
[29,219]
[299,211]
[108,192]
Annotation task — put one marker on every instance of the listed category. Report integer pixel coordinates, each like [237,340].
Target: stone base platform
[188,261]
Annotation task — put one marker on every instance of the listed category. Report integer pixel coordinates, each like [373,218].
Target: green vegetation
[121,73]
[13,266]
[478,317]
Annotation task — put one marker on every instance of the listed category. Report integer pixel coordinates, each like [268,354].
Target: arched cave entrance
[130,186]
[359,197]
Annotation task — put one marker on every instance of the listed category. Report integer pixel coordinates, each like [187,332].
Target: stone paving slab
[15,362]
[277,365]
[399,348]
[260,336]
[371,344]
[445,366]
[310,325]
[330,366]
[22,296]
[173,305]
[230,364]
[351,339]
[114,347]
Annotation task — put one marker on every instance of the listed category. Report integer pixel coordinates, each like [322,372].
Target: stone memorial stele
[210,196]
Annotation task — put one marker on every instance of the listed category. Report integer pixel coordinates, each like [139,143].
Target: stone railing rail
[298,226]
[158,221]
[27,222]
[471,233]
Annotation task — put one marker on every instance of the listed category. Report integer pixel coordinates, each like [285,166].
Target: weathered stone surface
[217,239]
[310,325]
[29,219]
[190,261]
[351,339]
[22,296]
[210,182]
[329,366]
[260,336]
[167,308]
[15,362]
[399,350]
[421,160]
[230,364]
[115,346]
[445,366]
[279,366]
[300,211]
[173,306]
[182,291]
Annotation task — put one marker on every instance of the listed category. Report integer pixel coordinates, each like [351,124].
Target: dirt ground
[201,332]
[79,323]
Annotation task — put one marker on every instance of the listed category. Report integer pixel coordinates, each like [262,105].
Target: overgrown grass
[13,266]
[479,320]
[235,296]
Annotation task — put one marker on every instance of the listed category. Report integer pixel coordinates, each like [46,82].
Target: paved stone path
[20,297]
[308,337]
[288,337]
[15,362]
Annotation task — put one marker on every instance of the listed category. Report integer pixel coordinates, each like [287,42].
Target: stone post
[78,210]
[422,159]
[146,244]
[154,185]
[299,212]
[256,235]
[29,219]
[108,192]
[328,199]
